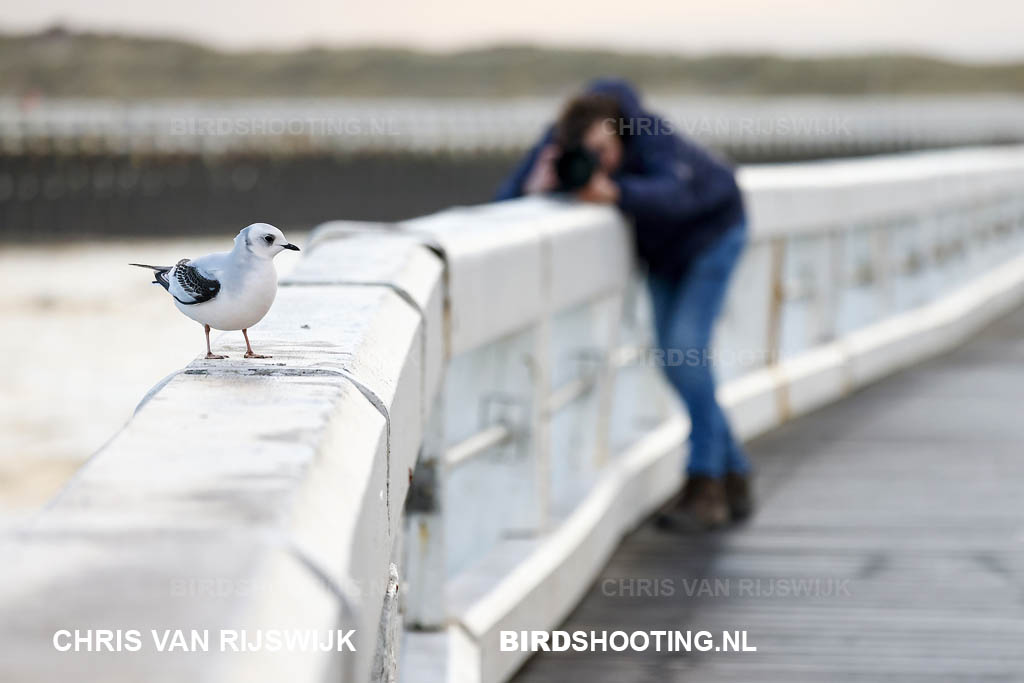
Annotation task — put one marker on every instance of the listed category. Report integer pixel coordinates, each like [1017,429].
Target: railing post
[605,382]
[777,299]
[880,245]
[831,300]
[540,421]
[425,565]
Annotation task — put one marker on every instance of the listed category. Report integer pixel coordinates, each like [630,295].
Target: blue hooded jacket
[679,196]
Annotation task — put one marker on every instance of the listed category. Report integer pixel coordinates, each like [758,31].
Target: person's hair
[583,111]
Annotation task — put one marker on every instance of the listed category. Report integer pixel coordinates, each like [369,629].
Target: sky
[979,30]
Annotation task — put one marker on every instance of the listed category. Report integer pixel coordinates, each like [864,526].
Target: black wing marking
[192,283]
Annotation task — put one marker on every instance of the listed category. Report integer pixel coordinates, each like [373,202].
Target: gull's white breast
[244,298]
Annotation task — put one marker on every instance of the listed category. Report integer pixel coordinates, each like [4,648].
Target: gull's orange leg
[210,355]
[248,347]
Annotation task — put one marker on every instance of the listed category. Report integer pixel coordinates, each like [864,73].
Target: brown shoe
[700,506]
[739,495]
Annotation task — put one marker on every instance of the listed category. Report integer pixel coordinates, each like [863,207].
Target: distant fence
[462,419]
[83,168]
[744,128]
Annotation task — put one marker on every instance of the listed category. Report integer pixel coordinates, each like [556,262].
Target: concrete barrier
[248,494]
[855,270]
[460,422]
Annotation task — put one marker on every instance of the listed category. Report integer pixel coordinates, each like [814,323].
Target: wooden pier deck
[889,545]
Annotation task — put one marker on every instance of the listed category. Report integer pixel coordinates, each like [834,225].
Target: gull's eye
[269,239]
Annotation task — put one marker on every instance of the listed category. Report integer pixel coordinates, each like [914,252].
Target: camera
[574,167]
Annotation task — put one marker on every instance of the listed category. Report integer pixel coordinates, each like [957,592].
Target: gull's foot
[250,354]
[213,356]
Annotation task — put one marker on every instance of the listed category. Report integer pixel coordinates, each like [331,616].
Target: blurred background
[152,132]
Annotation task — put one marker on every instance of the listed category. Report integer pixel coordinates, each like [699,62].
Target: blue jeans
[684,316]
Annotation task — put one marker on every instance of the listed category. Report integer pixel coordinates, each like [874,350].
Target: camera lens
[574,168]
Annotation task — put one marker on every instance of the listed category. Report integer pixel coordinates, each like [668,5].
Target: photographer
[690,229]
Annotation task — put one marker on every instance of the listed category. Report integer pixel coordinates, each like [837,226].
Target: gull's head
[263,240]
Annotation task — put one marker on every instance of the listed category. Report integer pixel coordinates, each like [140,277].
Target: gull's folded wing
[189,285]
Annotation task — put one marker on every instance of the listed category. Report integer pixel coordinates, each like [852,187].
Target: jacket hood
[629,100]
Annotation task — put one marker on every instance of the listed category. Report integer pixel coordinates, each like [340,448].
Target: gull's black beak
[291,246]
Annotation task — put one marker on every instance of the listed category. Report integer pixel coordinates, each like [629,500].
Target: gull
[229,290]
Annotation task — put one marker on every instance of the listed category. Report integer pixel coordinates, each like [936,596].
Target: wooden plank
[889,544]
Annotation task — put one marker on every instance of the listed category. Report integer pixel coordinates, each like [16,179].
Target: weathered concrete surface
[371,337]
[152,580]
[531,256]
[851,190]
[278,482]
[483,251]
[345,253]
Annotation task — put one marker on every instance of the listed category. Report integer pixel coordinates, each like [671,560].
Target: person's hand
[600,190]
[542,176]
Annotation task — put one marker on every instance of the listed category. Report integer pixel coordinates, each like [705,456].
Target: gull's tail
[159,273]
